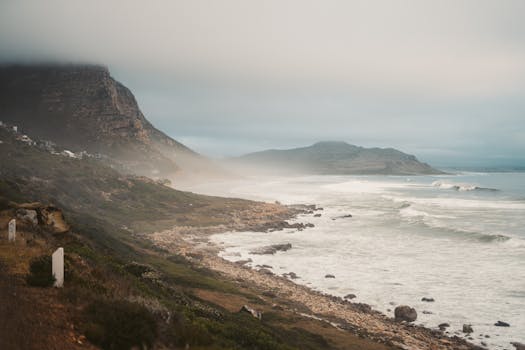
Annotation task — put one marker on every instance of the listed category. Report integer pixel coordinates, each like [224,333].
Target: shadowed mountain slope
[82,108]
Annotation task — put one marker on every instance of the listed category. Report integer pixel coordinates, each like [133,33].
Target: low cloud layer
[443,80]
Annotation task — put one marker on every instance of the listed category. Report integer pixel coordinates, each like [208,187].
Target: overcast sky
[444,80]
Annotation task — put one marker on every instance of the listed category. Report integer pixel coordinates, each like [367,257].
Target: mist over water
[459,239]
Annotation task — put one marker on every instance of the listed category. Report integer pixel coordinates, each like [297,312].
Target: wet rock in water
[350,296]
[443,326]
[251,311]
[329,276]
[272,249]
[291,275]
[518,346]
[483,343]
[428,300]
[278,226]
[427,312]
[467,329]
[317,215]
[243,262]
[501,324]
[342,217]
[264,266]
[405,313]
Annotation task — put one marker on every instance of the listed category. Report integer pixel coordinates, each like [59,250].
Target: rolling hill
[335,158]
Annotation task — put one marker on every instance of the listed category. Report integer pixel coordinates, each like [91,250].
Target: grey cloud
[435,78]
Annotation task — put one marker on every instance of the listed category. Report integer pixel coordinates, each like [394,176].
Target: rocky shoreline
[357,318]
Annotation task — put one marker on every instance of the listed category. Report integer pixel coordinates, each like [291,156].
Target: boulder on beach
[518,346]
[501,324]
[405,313]
[467,328]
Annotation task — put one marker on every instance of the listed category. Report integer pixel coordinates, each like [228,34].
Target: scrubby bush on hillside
[120,325]
[40,272]
[189,332]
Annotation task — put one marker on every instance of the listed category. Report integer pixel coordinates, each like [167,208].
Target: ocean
[459,239]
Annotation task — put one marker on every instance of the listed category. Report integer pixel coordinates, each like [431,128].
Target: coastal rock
[291,275]
[350,296]
[28,215]
[264,266]
[501,324]
[467,329]
[266,272]
[428,300]
[443,326]
[271,249]
[362,307]
[317,215]
[243,262]
[405,313]
[329,276]
[425,312]
[280,225]
[342,217]
[518,346]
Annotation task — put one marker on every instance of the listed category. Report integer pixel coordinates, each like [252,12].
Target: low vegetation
[40,274]
[120,325]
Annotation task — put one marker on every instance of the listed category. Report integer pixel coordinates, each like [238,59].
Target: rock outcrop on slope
[335,158]
[82,108]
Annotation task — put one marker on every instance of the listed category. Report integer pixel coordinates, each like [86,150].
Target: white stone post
[58,267]
[12,230]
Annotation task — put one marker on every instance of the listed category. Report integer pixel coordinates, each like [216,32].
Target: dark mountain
[82,108]
[336,158]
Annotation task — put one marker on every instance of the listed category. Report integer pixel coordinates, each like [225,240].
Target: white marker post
[12,230]
[58,267]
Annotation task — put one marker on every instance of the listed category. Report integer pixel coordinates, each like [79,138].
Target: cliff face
[84,108]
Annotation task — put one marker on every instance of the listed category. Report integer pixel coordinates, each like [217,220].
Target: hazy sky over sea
[444,80]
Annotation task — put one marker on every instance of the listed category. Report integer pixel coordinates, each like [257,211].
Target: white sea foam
[405,240]
[460,186]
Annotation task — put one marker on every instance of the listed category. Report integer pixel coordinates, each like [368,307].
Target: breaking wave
[461,187]
[429,220]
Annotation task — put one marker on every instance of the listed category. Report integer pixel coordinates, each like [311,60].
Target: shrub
[40,272]
[189,332]
[120,325]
